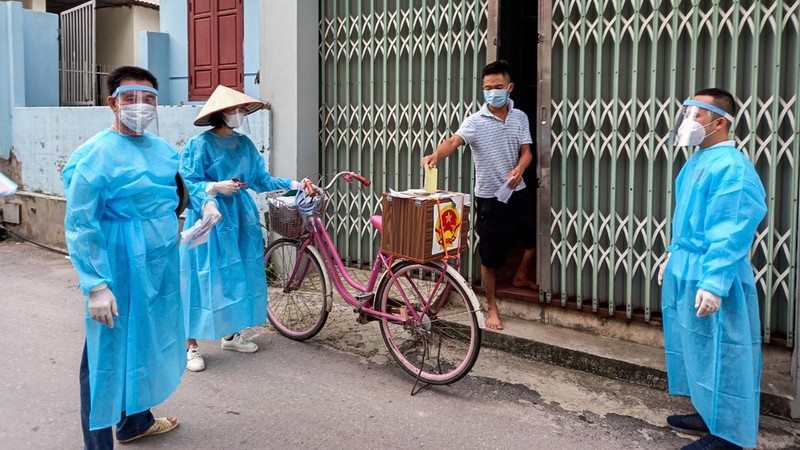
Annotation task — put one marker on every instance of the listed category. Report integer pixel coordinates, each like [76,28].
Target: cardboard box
[409,228]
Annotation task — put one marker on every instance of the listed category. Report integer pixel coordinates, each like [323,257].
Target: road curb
[614,368]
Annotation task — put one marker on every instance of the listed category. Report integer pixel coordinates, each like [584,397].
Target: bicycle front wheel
[439,341]
[297,290]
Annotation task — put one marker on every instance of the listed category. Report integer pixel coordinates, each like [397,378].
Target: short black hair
[217,119]
[722,99]
[500,66]
[129,72]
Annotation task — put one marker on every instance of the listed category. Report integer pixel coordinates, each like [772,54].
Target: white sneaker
[194,360]
[240,344]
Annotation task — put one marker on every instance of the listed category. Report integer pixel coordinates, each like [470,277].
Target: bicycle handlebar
[358,177]
[348,176]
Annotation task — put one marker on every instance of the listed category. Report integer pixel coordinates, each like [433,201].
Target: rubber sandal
[160,426]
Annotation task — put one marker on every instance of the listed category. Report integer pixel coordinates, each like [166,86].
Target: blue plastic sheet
[7,187]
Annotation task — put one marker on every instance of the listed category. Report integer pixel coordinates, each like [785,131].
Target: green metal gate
[620,70]
[398,76]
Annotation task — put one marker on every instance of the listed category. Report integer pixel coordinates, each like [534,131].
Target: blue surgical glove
[706,302]
[103,305]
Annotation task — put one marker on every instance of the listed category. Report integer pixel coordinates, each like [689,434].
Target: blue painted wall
[40,38]
[44,138]
[12,71]
[154,54]
[28,64]
[174,22]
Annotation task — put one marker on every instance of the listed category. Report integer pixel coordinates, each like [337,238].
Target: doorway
[517,39]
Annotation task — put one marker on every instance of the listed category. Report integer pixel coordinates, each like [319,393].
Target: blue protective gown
[716,360]
[224,287]
[121,229]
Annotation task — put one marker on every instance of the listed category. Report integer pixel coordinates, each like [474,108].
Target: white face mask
[137,116]
[692,133]
[235,119]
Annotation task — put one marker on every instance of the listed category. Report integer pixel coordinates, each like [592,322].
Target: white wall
[290,81]
[114,37]
[144,19]
[118,33]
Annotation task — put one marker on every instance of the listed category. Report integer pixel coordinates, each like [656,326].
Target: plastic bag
[7,187]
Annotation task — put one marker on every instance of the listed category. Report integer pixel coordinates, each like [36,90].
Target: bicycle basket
[284,216]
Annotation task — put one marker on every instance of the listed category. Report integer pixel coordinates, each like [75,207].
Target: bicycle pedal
[363,319]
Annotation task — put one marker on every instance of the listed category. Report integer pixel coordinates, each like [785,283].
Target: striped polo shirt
[495,146]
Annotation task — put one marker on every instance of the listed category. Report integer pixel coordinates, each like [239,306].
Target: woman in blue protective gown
[712,330]
[121,231]
[224,287]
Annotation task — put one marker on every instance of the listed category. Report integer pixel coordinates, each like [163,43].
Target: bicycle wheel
[441,345]
[297,290]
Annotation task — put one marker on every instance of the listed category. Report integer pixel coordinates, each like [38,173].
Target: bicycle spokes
[436,335]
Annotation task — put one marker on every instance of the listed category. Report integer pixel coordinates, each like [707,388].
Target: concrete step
[626,361]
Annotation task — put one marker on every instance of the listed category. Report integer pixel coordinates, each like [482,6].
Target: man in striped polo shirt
[500,139]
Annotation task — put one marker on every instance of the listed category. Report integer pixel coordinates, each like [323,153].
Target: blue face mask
[496,97]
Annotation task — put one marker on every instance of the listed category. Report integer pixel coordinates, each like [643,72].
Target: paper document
[411,193]
[197,234]
[431,179]
[504,192]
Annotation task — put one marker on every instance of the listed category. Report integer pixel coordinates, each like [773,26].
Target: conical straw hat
[225,98]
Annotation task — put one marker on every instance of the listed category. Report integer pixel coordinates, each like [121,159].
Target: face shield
[692,120]
[237,118]
[137,108]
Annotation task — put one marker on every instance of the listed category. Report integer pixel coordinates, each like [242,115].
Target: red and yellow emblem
[448,226]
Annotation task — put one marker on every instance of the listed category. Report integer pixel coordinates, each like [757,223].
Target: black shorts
[499,225]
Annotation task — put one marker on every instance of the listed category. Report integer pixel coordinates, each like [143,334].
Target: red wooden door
[215,46]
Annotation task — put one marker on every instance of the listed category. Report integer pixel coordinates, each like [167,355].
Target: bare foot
[493,320]
[525,283]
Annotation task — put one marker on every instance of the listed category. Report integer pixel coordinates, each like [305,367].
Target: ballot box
[424,227]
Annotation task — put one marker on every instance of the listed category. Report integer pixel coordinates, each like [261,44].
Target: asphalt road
[339,390]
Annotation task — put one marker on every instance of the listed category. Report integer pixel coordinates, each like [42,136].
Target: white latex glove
[211,214]
[661,269]
[706,303]
[226,187]
[103,306]
[301,184]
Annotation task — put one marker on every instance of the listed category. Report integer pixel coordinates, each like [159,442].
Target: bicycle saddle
[377,222]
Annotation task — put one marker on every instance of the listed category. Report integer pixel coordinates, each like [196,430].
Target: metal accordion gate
[399,76]
[620,70]
[396,78]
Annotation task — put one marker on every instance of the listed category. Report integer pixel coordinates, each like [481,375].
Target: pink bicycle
[429,317]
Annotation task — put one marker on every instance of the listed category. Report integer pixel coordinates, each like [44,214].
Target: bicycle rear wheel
[297,290]
[443,343]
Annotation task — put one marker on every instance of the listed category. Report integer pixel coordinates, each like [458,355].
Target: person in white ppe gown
[121,227]
[224,287]
[712,329]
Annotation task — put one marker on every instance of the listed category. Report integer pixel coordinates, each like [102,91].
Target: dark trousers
[128,427]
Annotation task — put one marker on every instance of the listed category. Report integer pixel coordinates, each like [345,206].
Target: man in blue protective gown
[122,234]
[712,330]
